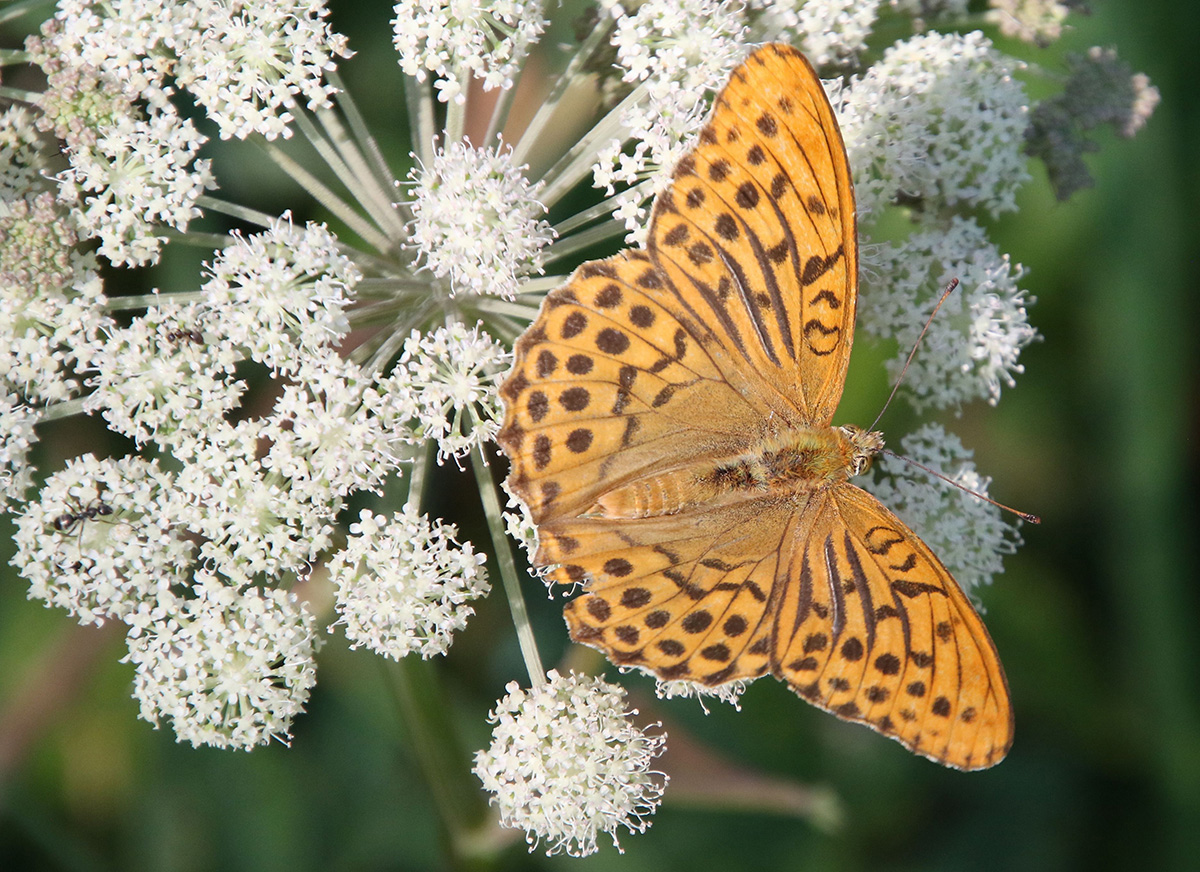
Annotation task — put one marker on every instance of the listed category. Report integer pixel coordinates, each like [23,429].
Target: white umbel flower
[675,54]
[939,118]
[450,377]
[283,293]
[566,764]
[140,177]
[972,347]
[17,437]
[404,583]
[101,540]
[248,63]
[477,220]
[165,376]
[487,39]
[230,668]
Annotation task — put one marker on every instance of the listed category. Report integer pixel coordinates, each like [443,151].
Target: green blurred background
[1095,617]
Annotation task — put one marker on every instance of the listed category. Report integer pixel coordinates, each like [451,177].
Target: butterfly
[668,419]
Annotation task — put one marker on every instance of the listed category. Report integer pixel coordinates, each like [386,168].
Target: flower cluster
[971,347]
[112,70]
[456,38]
[447,379]
[228,668]
[566,764]
[403,584]
[939,122]
[255,497]
[477,221]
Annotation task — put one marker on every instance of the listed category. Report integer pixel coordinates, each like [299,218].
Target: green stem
[577,163]
[419,102]
[437,751]
[324,195]
[149,301]
[508,567]
[417,471]
[456,113]
[235,210]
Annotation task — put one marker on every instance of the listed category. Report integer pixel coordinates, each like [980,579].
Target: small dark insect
[193,335]
[67,520]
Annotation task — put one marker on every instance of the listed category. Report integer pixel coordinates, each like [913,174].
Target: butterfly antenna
[949,290]
[1024,516]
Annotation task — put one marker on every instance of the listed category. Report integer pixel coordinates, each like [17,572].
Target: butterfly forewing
[606,384]
[757,233]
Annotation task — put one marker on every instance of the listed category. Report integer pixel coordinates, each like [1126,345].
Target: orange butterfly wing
[646,373]
[872,627]
[757,234]
[605,386]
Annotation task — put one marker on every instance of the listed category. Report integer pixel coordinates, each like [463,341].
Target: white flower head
[140,176]
[101,540]
[229,668]
[37,245]
[477,220]
[487,39]
[566,764]
[46,333]
[127,42]
[1036,21]
[967,534]
[830,31]
[939,118]
[248,63]
[404,583]
[282,293]
[325,438]
[973,344]
[165,376]
[251,520]
[451,377]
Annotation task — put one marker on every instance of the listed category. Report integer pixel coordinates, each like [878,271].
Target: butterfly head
[864,444]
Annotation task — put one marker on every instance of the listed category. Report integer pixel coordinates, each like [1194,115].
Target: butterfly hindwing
[874,629]
[684,596]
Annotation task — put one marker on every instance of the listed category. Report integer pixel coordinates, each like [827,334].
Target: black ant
[193,335]
[66,522]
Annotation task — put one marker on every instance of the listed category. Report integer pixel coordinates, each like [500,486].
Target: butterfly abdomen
[664,493]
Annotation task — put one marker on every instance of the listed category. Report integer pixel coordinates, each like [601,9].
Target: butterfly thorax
[797,460]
